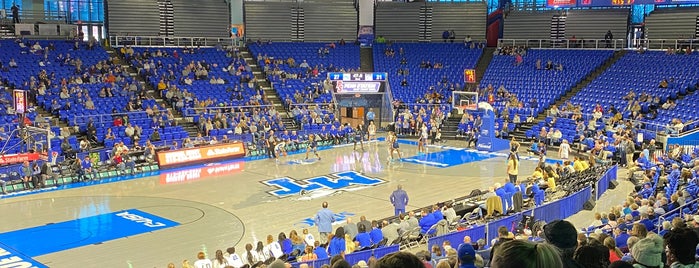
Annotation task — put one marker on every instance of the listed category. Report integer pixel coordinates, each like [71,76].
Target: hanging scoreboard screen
[358,83]
[20,101]
[470,76]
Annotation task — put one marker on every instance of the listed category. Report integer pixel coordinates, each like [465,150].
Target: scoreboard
[358,76]
[470,76]
[358,83]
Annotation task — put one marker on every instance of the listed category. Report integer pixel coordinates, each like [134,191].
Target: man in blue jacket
[399,199]
[324,220]
[427,221]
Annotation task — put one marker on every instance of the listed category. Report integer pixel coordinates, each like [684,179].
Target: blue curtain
[603,182]
[457,238]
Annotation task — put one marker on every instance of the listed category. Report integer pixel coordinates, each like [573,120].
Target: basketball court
[168,217]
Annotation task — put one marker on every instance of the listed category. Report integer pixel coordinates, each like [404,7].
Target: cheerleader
[359,136]
[422,140]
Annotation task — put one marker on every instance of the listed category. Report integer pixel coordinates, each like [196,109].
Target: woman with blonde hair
[309,255]
[297,242]
[349,244]
[525,254]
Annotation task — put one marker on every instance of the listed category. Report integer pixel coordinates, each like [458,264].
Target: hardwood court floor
[227,205]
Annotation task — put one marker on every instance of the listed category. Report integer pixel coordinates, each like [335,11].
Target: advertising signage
[613,3]
[200,154]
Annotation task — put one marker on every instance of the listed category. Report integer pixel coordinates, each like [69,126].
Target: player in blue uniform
[359,136]
[312,146]
[393,145]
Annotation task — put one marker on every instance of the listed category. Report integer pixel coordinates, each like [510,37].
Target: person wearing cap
[620,235]
[648,251]
[466,256]
[563,235]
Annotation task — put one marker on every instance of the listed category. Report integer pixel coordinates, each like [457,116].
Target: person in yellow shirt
[538,174]
[513,168]
[580,165]
[162,85]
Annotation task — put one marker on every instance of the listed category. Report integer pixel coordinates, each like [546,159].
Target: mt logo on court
[341,181]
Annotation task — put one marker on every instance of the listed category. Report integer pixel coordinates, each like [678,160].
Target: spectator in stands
[337,244]
[399,260]
[468,41]
[452,36]
[525,254]
[647,252]
[503,236]
[681,246]
[563,235]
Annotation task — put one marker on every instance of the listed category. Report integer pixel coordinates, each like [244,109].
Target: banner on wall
[18,158]
[237,30]
[200,154]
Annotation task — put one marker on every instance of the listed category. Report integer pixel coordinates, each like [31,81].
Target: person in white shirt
[564,150]
[249,257]
[308,238]
[219,261]
[202,261]
[273,247]
[262,251]
[188,81]
[220,81]
[233,258]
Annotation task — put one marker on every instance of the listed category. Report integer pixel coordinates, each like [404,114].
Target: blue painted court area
[55,237]
[448,158]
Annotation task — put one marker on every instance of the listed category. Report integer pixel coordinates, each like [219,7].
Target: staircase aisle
[268,90]
[366,57]
[519,134]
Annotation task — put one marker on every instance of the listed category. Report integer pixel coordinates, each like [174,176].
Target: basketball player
[279,149]
[359,136]
[393,143]
[202,261]
[372,131]
[312,146]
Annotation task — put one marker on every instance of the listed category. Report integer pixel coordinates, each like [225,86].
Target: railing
[602,44]
[615,44]
[104,118]
[679,210]
[170,41]
[668,43]
[32,16]
[644,125]
[192,111]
